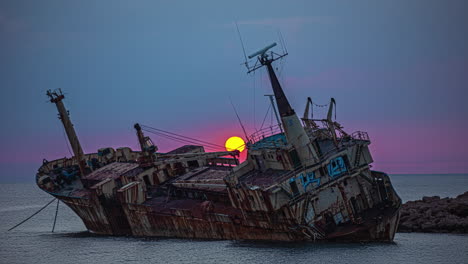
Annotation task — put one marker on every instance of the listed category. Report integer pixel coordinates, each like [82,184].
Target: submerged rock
[435,215]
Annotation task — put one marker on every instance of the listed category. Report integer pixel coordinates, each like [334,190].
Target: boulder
[435,215]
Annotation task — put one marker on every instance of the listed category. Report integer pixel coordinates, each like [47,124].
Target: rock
[460,210]
[435,215]
[430,199]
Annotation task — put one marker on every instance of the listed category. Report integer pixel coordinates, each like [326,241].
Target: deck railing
[360,135]
[265,132]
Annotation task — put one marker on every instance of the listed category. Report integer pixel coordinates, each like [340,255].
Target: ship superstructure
[306,180]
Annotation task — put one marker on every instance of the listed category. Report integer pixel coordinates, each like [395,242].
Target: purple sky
[397,69]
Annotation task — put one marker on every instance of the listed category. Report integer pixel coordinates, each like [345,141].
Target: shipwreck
[303,180]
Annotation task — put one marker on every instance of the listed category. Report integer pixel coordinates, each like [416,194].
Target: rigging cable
[238,118]
[186,141]
[324,105]
[254,121]
[56,213]
[182,137]
[67,143]
[32,215]
[181,140]
[271,118]
[266,115]
[242,44]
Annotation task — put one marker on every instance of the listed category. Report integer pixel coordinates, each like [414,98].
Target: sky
[397,69]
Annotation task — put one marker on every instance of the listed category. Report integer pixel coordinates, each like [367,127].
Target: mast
[140,136]
[293,128]
[147,147]
[309,123]
[306,110]
[276,112]
[331,125]
[284,107]
[56,98]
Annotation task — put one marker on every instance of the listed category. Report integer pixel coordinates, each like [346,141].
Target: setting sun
[235,143]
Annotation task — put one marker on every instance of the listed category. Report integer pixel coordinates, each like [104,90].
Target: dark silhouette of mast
[147,147]
[56,97]
[293,128]
[282,102]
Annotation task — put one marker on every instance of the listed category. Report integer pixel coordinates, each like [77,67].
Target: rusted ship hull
[142,221]
[126,215]
[299,182]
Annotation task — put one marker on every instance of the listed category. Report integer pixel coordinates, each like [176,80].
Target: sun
[235,143]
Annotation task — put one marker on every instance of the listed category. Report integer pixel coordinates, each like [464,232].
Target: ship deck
[264,179]
[203,178]
[115,170]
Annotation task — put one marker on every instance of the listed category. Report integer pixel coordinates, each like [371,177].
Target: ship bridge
[270,137]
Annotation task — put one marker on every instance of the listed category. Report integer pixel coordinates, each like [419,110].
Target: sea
[34,241]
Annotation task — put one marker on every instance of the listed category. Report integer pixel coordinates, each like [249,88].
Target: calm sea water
[33,242]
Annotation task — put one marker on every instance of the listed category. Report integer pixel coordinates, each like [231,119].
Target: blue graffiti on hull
[336,167]
[308,179]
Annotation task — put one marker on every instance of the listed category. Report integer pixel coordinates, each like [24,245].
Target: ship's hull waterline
[141,221]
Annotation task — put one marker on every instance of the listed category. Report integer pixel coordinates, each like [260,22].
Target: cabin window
[321,172]
[293,185]
[260,163]
[355,206]
[338,218]
[295,158]
[179,168]
[155,178]
[193,163]
[147,181]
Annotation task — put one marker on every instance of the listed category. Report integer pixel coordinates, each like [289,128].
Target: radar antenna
[265,57]
[292,127]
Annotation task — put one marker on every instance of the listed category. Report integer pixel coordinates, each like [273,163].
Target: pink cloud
[437,147]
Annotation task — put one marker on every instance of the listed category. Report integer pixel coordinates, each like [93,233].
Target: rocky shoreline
[435,215]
